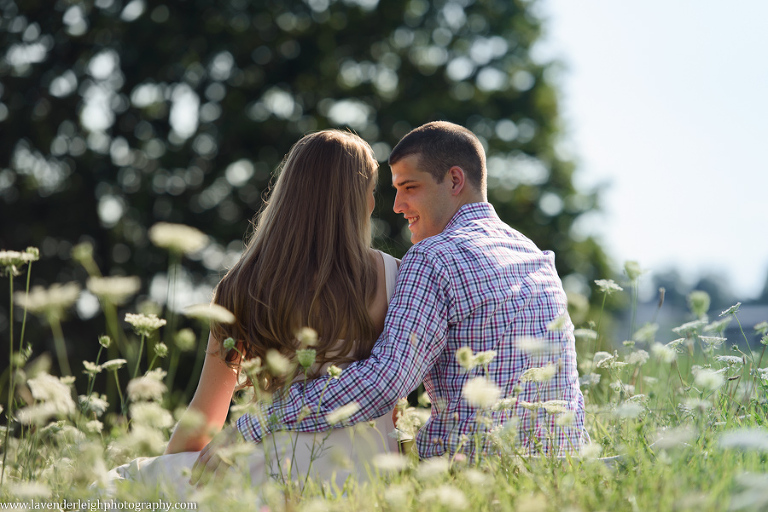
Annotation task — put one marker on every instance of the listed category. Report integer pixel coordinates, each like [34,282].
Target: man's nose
[398,206]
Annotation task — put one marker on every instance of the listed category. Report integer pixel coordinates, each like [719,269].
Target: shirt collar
[471,212]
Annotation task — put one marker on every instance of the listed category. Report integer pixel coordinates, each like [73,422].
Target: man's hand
[209,463]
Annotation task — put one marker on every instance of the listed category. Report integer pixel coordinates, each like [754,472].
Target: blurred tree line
[119,114]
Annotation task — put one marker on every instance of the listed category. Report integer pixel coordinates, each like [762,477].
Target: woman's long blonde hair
[308,261]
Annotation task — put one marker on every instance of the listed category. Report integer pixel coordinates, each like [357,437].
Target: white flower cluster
[144,325]
[12,261]
[342,413]
[210,313]
[50,302]
[608,286]
[115,290]
[148,387]
[481,392]
[177,237]
[53,397]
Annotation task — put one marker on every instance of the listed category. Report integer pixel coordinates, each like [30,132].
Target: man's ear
[458,179]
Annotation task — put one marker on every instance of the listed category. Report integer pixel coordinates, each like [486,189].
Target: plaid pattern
[479,284]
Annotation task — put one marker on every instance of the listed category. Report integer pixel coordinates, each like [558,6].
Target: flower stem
[61,346]
[122,400]
[9,414]
[138,357]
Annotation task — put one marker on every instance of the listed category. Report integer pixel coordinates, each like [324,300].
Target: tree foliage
[116,115]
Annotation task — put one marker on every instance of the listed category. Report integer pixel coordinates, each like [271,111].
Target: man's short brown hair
[440,146]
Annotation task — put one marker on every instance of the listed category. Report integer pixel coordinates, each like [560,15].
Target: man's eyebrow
[404,182]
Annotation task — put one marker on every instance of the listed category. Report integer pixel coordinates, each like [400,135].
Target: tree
[117,115]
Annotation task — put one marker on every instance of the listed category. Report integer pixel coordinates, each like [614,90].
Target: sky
[666,103]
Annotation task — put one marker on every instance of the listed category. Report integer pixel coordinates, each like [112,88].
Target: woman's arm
[212,399]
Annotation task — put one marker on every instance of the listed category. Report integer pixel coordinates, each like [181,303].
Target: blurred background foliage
[119,114]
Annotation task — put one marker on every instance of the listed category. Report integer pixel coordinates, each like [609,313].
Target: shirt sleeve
[415,333]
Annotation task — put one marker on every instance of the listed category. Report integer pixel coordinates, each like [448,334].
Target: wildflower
[447,496]
[185,340]
[51,302]
[432,468]
[396,496]
[559,323]
[115,289]
[466,358]
[541,374]
[12,261]
[143,439]
[97,404]
[590,451]
[334,371]
[177,237]
[389,462]
[229,343]
[689,328]
[646,333]
[105,341]
[674,344]
[591,379]
[82,253]
[485,358]
[555,406]
[629,410]
[91,368]
[144,325]
[307,337]
[306,357]
[763,374]
[730,360]
[718,325]
[505,404]
[251,366]
[746,438]
[633,270]
[699,302]
[601,356]
[342,413]
[50,389]
[151,415]
[113,364]
[210,313]
[24,490]
[696,404]
[566,419]
[608,286]
[585,334]
[277,363]
[94,426]
[533,346]
[762,328]
[764,339]
[481,392]
[148,387]
[674,437]
[161,349]
[628,343]
[709,379]
[712,342]
[731,310]
[638,357]
[424,400]
[663,353]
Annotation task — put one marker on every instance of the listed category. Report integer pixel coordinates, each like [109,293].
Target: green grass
[675,441]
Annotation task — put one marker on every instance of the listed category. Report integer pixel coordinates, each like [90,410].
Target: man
[469,281]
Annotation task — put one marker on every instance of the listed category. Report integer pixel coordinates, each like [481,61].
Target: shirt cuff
[250,429]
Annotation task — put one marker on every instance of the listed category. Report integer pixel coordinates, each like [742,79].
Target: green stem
[170,303]
[152,363]
[119,392]
[61,346]
[599,321]
[24,319]
[138,357]
[9,414]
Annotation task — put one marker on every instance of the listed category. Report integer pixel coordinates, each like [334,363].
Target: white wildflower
[566,419]
[144,440]
[307,337]
[731,310]
[730,360]
[638,357]
[633,270]
[113,364]
[334,371]
[485,358]
[51,302]
[541,374]
[97,404]
[24,490]
[105,341]
[591,379]
[397,496]
[151,414]
[533,346]
[94,426]
[185,340]
[177,237]
[689,328]
[51,389]
[210,313]
[555,406]
[673,437]
[481,392]
[432,468]
[389,462]
[601,356]
[144,325]
[709,379]
[277,363]
[447,496]
[608,286]
[148,387]
[674,344]
[585,334]
[761,328]
[663,353]
[696,404]
[590,451]
[115,289]
[91,368]
[38,414]
[718,325]
[560,323]
[342,413]
[466,358]
[647,333]
[699,302]
[712,342]
[751,439]
[505,404]
[161,349]
[629,410]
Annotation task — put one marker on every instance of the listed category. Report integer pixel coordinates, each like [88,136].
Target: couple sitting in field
[469,280]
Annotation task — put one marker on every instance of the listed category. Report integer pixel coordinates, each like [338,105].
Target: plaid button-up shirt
[478,284]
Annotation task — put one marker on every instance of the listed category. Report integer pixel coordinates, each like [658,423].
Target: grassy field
[677,420]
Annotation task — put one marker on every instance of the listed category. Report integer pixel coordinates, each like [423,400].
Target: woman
[309,263]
